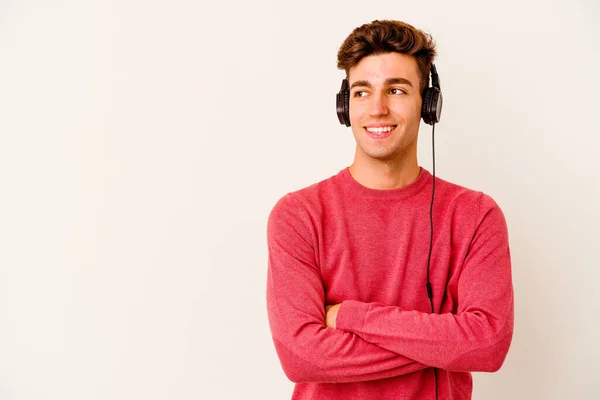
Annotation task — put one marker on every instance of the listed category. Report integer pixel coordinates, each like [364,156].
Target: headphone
[430,111]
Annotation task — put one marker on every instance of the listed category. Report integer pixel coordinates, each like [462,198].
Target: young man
[347,301]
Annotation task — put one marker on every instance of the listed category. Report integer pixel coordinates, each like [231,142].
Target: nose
[378,105]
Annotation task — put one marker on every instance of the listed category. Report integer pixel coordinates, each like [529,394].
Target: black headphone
[430,111]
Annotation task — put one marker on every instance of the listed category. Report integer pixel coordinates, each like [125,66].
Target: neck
[376,174]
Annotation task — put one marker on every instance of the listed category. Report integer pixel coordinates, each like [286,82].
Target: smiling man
[385,112]
[349,309]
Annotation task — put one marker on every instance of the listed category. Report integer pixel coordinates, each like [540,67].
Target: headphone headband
[435,79]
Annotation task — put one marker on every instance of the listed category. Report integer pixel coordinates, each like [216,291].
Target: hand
[331,315]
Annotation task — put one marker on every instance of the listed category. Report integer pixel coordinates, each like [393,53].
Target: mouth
[380,132]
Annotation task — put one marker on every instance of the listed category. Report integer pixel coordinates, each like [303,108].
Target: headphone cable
[429,291]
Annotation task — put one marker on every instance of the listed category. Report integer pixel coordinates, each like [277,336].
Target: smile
[380,132]
[381,129]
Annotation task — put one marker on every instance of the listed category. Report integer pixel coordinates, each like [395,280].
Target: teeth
[381,129]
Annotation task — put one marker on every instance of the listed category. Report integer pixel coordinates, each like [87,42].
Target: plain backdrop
[144,143]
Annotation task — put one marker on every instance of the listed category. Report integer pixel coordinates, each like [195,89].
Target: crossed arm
[355,341]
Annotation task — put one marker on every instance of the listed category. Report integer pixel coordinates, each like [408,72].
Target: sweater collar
[355,188]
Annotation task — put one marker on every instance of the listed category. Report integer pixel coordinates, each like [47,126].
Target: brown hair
[387,36]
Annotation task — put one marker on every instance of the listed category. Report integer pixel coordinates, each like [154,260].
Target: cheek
[408,109]
[417,108]
[356,127]
[355,112]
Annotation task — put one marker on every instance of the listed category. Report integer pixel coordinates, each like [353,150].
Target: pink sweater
[340,242]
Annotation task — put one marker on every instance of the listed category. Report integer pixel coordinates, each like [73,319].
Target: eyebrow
[388,81]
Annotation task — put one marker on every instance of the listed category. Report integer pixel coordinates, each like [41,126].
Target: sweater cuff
[351,316]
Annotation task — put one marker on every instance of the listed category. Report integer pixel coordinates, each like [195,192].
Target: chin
[381,154]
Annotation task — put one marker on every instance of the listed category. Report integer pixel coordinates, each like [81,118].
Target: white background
[143,144]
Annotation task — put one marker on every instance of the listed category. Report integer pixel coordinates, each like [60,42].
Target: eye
[360,93]
[397,91]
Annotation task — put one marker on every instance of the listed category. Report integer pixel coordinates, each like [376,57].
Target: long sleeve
[307,349]
[475,338]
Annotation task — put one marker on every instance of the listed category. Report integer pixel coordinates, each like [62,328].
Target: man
[347,301]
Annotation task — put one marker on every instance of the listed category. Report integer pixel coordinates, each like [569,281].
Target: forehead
[377,68]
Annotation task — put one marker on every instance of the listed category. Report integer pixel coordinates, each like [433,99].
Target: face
[385,107]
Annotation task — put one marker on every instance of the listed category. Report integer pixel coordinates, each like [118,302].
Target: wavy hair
[386,36]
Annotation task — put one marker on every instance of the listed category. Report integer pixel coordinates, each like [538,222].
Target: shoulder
[309,200]
[468,206]
[463,197]
[296,216]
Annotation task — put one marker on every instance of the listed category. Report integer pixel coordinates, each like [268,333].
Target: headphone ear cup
[432,105]
[342,104]
[347,106]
